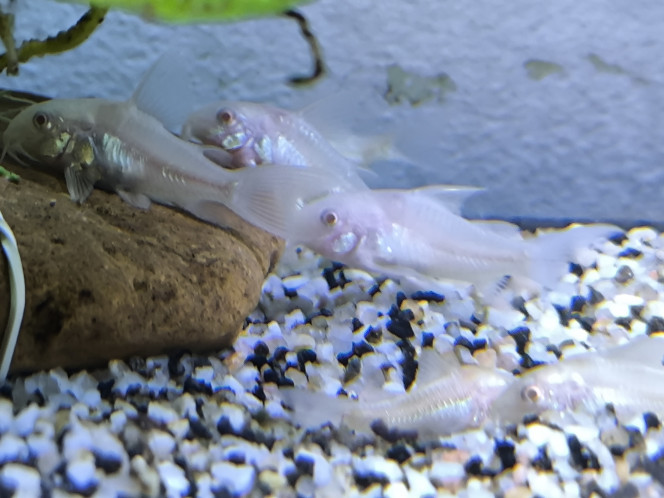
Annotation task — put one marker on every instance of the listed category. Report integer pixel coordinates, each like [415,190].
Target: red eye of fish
[225,116]
[531,393]
[329,217]
[40,119]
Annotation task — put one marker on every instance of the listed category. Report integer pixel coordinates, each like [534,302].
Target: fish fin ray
[270,195]
[80,181]
[451,196]
[162,92]
[645,350]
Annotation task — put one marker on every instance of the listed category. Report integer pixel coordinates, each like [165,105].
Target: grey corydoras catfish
[629,377]
[419,234]
[445,398]
[255,134]
[120,146]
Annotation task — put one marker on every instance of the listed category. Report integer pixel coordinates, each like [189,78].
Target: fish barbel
[446,398]
[628,377]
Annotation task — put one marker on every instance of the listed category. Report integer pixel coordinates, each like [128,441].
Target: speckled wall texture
[556,107]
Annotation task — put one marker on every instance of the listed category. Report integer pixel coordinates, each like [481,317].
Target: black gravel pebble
[363,481]
[353,369]
[259,393]
[361,348]
[576,269]
[624,274]
[105,388]
[655,324]
[586,322]
[261,349]
[290,293]
[195,386]
[552,348]
[357,324]
[630,252]
[399,453]
[505,451]
[519,304]
[581,456]
[399,324]
[462,341]
[577,303]
[400,298]
[305,464]
[542,460]
[624,322]
[285,382]
[651,420]
[427,339]
[373,335]
[270,376]
[175,367]
[636,311]
[392,434]
[110,464]
[563,315]
[521,336]
[333,278]
[408,365]
[595,297]
[627,490]
[527,362]
[427,296]
[258,360]
[474,466]
[198,429]
[344,357]
[305,356]
[279,354]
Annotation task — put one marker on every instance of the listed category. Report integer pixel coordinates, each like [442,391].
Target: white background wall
[584,143]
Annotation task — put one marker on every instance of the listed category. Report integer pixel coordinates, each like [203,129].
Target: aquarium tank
[331,248]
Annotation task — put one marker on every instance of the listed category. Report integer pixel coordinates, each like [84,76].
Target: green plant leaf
[191,11]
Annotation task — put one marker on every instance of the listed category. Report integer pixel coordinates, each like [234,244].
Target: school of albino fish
[274,169]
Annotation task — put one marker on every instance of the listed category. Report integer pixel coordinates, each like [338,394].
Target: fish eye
[531,393]
[329,218]
[40,120]
[225,116]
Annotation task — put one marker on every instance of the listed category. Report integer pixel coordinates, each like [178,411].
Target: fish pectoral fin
[140,201]
[80,181]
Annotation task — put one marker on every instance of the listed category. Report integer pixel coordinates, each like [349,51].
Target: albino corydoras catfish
[446,398]
[255,134]
[629,377]
[416,234]
[121,146]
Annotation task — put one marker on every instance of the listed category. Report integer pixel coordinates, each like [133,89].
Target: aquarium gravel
[196,425]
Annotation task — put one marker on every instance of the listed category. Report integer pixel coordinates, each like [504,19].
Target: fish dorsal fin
[645,350]
[432,366]
[502,228]
[80,181]
[163,92]
[450,196]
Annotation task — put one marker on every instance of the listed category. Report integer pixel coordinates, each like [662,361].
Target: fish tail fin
[269,196]
[313,409]
[551,253]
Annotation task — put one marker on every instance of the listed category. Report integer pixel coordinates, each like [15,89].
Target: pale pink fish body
[445,398]
[418,234]
[255,134]
[629,377]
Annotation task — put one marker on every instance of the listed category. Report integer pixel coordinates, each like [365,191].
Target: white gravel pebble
[24,480]
[81,472]
[238,479]
[173,478]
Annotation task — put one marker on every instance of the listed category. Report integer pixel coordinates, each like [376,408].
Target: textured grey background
[584,142]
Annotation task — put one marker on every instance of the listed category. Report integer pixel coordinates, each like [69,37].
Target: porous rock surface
[106,280]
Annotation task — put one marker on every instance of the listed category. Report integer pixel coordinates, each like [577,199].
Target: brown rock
[105,280]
